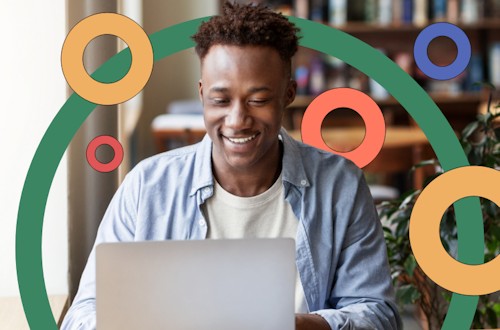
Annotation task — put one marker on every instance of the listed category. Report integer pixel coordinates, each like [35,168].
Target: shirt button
[207,190]
[201,222]
[303,182]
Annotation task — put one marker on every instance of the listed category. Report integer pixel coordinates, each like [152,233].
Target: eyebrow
[258,89]
[251,90]
[219,89]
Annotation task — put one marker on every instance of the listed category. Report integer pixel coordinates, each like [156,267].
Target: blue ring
[463,51]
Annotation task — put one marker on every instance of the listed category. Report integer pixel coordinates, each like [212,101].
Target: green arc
[176,38]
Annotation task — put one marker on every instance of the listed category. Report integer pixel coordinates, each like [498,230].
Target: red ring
[113,143]
[357,101]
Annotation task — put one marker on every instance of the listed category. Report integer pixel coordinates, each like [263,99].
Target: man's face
[244,91]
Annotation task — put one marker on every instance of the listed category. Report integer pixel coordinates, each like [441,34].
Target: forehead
[244,64]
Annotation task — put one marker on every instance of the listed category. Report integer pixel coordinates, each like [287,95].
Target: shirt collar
[293,167]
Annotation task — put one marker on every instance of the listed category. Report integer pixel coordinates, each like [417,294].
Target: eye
[220,101]
[258,101]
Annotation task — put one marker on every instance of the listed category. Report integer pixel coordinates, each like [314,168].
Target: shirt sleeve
[118,225]
[362,295]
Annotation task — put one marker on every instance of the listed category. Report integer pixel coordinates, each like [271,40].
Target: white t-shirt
[267,215]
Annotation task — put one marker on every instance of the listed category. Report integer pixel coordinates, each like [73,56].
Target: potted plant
[412,285]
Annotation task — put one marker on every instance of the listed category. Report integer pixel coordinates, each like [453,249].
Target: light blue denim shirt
[340,249]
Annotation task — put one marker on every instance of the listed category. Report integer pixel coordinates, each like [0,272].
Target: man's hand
[310,322]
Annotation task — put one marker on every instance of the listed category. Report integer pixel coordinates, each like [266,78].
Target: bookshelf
[365,19]
[302,101]
[362,27]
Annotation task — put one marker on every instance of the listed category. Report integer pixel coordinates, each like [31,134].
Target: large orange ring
[473,280]
[140,68]
[357,101]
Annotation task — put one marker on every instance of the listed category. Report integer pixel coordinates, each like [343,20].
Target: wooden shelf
[303,101]
[362,27]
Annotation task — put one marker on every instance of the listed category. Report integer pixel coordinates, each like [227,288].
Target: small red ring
[96,143]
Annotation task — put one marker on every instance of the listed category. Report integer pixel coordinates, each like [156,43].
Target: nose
[238,117]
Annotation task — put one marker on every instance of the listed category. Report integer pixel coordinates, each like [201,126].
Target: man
[249,178]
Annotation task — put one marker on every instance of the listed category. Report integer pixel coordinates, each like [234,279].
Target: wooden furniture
[403,148]
[188,128]
[188,135]
[12,315]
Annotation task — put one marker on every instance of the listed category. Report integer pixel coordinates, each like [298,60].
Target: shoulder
[170,164]
[327,165]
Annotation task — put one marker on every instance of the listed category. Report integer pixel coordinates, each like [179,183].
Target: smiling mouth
[241,140]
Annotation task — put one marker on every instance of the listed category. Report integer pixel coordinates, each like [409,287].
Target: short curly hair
[249,24]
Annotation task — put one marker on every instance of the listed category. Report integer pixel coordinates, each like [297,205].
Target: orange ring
[140,68]
[357,101]
[473,280]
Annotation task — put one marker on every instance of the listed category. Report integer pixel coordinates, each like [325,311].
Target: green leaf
[387,204]
[448,223]
[492,318]
[492,246]
[415,295]
[445,245]
[495,232]
[485,84]
[496,308]
[425,163]
[395,274]
[469,129]
[467,147]
[387,229]
[484,118]
[430,178]
[497,131]
[490,208]
[409,198]
[406,194]
[446,296]
[407,294]
[402,228]
[388,212]
[402,217]
[410,265]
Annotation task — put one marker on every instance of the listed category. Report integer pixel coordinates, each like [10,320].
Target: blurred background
[168,114]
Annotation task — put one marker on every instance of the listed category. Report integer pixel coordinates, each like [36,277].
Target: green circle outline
[176,38]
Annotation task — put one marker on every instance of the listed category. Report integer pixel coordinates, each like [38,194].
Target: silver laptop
[243,284]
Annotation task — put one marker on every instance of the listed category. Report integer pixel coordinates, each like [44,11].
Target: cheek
[273,118]
[211,119]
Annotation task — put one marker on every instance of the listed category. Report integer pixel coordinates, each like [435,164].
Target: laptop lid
[244,284]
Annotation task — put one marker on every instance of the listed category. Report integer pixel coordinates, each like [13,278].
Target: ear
[291,91]
[200,90]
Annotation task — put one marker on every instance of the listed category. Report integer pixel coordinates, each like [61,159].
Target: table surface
[12,315]
[350,138]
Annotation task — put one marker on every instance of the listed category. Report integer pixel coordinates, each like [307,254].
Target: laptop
[243,284]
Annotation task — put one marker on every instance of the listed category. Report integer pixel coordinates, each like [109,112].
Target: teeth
[242,140]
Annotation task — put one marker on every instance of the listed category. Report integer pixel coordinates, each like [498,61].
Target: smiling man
[267,185]
[248,178]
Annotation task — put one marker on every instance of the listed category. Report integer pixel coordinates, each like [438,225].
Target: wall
[175,77]
[32,90]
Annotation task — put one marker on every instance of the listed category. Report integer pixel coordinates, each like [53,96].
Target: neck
[253,180]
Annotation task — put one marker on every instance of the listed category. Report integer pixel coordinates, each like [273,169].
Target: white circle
[201,222]
[303,182]
[207,190]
